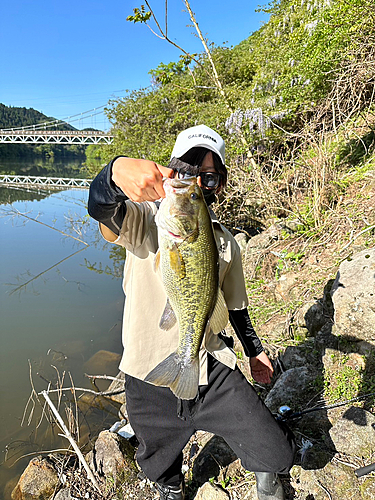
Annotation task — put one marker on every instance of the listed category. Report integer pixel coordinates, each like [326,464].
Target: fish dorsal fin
[168,318]
[220,315]
[176,261]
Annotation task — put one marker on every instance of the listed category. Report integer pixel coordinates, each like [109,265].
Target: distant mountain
[12,117]
[15,117]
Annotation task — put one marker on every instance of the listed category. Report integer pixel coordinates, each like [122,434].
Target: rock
[234,469]
[203,438]
[289,388]
[103,362]
[336,481]
[214,455]
[311,316]
[112,454]
[64,495]
[122,413]
[353,294]
[9,487]
[211,492]
[119,387]
[275,329]
[241,239]
[365,347]
[293,225]
[251,494]
[264,239]
[89,403]
[285,285]
[358,424]
[333,360]
[38,481]
[296,356]
[256,247]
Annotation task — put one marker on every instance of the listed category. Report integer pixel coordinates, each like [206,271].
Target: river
[61,303]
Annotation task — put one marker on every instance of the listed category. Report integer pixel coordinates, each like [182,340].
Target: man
[124,199]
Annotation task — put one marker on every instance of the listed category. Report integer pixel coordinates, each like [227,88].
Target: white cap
[199,136]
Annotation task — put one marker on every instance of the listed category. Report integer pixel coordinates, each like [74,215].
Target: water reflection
[61,311]
[10,195]
[43,167]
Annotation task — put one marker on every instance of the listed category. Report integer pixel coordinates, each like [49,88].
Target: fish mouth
[179,186]
[181,183]
[174,235]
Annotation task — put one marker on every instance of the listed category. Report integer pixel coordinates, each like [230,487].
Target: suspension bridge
[59,131]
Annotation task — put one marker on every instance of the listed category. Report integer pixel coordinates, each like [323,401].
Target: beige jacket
[145,344]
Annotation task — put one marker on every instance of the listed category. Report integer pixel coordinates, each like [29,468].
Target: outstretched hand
[140,180]
[261,368]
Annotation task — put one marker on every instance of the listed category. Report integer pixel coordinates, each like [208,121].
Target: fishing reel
[285,413]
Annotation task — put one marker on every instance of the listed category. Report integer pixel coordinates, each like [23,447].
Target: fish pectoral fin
[157,261]
[168,318]
[183,380]
[176,261]
[220,315]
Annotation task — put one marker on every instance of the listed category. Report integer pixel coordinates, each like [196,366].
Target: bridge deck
[47,182]
[56,137]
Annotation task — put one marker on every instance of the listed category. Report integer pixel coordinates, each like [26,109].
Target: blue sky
[65,58]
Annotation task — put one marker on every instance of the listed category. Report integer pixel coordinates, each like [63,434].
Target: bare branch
[17,212]
[104,377]
[24,285]
[356,236]
[81,389]
[68,436]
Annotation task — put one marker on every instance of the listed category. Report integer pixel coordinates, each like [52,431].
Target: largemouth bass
[189,266]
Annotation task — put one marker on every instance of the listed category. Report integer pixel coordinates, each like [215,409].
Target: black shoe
[269,486]
[171,492]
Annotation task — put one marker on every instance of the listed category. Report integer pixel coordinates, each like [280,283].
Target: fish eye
[194,196]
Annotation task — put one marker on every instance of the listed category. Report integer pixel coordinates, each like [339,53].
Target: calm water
[61,302]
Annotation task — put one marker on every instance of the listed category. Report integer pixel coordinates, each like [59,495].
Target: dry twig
[69,437]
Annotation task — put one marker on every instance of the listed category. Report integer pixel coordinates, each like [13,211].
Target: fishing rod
[285,413]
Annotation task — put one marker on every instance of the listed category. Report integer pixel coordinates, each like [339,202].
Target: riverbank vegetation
[297,118]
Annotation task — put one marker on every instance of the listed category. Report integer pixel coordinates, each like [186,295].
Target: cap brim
[178,154]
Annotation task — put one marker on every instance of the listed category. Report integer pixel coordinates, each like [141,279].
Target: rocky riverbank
[323,353]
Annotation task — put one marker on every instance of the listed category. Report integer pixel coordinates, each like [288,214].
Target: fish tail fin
[185,385]
[182,379]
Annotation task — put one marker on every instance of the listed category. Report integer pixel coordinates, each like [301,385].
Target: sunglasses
[209,180]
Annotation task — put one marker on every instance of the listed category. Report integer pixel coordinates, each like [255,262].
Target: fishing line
[286,413]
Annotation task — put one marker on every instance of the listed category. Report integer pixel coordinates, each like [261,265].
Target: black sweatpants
[228,407]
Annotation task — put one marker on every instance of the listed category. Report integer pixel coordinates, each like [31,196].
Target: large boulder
[336,481]
[38,481]
[103,362]
[290,388]
[112,455]
[359,425]
[353,293]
